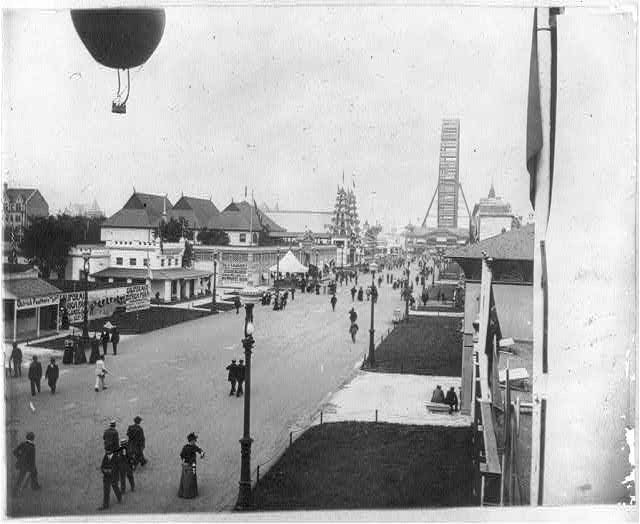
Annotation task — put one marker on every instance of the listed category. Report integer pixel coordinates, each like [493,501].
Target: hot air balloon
[120,39]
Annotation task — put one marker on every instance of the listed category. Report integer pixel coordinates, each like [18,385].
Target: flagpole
[546,21]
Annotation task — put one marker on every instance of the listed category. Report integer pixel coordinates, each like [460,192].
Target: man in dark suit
[51,374]
[111,438]
[16,358]
[232,376]
[35,375]
[110,475]
[124,467]
[25,454]
[240,375]
[452,400]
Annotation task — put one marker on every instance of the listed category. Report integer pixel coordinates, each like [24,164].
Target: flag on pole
[534,114]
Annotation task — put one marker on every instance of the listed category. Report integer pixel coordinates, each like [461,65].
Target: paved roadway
[175,378]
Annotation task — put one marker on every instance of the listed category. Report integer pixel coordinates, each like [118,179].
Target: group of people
[34,373]
[235,375]
[451,399]
[120,459]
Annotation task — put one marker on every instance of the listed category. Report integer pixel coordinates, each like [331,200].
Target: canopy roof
[289,264]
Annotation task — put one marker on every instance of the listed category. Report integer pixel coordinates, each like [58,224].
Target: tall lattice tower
[448,177]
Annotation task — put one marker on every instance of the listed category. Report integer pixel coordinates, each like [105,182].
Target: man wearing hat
[240,375]
[51,374]
[111,438]
[135,434]
[25,454]
[232,376]
[35,375]
[109,468]
[125,471]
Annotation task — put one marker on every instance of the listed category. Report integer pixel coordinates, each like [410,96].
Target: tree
[174,230]
[47,240]
[187,256]
[213,237]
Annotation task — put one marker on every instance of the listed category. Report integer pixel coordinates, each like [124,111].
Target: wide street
[175,379]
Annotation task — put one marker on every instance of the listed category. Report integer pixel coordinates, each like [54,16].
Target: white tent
[289,264]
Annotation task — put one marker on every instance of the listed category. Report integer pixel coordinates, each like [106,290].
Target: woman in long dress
[189,480]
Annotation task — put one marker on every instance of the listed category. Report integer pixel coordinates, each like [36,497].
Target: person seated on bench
[452,400]
[438,396]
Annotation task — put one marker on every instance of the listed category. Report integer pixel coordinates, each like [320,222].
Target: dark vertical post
[245,496]
[406,294]
[214,307]
[277,268]
[372,344]
[85,313]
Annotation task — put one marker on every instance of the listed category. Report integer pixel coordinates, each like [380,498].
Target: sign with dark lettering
[30,302]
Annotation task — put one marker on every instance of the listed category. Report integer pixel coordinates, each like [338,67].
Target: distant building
[197,212]
[20,207]
[300,224]
[490,217]
[433,240]
[138,256]
[83,210]
[242,222]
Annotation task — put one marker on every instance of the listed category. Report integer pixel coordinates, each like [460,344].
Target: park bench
[437,407]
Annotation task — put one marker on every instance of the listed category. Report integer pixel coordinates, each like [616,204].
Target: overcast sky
[282,100]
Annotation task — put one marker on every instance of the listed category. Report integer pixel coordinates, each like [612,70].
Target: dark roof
[141,210]
[28,287]
[198,211]
[67,286]
[516,244]
[14,192]
[157,274]
[241,216]
[16,268]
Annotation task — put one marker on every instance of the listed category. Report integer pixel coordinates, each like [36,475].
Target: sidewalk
[398,398]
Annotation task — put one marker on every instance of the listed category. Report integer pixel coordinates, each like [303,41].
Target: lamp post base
[372,349]
[245,495]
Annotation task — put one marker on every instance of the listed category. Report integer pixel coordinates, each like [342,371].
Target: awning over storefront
[29,292]
[156,274]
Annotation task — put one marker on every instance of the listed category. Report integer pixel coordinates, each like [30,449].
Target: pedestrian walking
[115,339]
[95,351]
[35,375]
[111,438]
[125,470]
[51,375]
[360,294]
[232,376]
[353,293]
[104,339]
[237,304]
[353,316]
[240,370]
[25,455]
[101,372]
[16,358]
[7,363]
[137,443]
[353,329]
[333,302]
[293,294]
[189,479]
[110,475]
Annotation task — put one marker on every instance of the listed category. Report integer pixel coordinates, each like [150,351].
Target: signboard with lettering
[30,302]
[137,297]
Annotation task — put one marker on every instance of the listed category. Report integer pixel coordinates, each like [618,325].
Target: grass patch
[363,465]
[423,346]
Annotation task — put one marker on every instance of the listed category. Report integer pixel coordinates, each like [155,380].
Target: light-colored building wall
[120,235]
[514,304]
[491,226]
[100,259]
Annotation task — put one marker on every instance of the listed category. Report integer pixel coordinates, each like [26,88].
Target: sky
[281,100]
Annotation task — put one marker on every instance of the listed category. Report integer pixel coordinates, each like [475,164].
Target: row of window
[130,243]
[243,238]
[13,207]
[17,218]
[145,261]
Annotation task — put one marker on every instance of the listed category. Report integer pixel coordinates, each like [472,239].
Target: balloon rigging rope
[128,87]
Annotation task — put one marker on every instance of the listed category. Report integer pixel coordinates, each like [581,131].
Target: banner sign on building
[29,302]
[234,268]
[102,303]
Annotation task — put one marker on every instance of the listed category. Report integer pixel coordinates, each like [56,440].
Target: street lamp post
[406,294]
[372,348]
[245,496]
[277,268]
[85,314]
[214,306]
